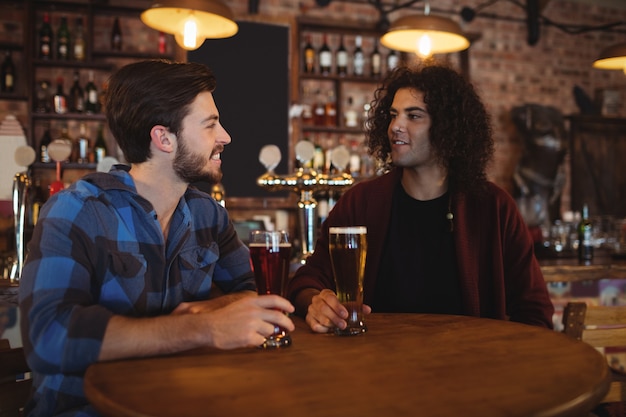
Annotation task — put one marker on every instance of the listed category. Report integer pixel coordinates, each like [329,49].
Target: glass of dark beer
[348,250]
[270,252]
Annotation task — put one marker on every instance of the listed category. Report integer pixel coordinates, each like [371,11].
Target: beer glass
[348,250]
[270,252]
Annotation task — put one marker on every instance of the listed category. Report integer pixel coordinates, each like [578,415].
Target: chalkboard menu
[252,96]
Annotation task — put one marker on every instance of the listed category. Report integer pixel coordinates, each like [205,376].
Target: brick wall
[505,69]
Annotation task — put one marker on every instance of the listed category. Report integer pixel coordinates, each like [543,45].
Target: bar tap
[24,156]
[305,182]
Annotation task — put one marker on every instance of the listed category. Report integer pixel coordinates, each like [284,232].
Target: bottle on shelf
[392,60]
[79,50]
[585,237]
[91,95]
[42,98]
[43,146]
[341,58]
[358,58]
[116,36]
[162,43]
[82,145]
[325,57]
[376,61]
[59,100]
[319,110]
[77,96]
[307,106]
[100,146]
[318,156]
[46,37]
[36,199]
[63,40]
[350,115]
[308,56]
[65,137]
[330,109]
[8,74]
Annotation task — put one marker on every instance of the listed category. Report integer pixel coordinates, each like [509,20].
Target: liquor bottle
[392,60]
[91,96]
[42,97]
[319,111]
[82,145]
[79,40]
[350,115]
[100,146]
[318,156]
[36,199]
[341,57]
[325,57]
[376,61]
[116,36]
[330,109]
[308,56]
[162,43]
[65,137]
[59,100]
[46,37]
[63,40]
[358,57]
[8,74]
[43,146]
[77,96]
[585,237]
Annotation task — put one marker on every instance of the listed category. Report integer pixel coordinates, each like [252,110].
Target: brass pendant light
[191,21]
[425,35]
[612,58]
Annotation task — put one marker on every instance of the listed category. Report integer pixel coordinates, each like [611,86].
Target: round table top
[405,365]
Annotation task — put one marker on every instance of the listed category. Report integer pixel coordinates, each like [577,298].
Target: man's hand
[326,312]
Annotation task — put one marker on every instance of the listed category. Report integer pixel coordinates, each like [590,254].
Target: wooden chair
[601,327]
[14,387]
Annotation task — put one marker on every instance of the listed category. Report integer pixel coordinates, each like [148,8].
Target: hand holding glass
[348,250]
[270,252]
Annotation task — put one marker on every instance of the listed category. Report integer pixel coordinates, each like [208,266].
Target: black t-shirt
[418,272]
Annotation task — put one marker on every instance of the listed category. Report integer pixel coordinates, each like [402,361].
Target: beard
[192,167]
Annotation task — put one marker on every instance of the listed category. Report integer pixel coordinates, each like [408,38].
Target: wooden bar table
[405,365]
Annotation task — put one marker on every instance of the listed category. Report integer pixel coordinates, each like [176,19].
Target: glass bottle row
[342,55]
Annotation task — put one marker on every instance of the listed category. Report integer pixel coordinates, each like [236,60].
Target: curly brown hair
[460,133]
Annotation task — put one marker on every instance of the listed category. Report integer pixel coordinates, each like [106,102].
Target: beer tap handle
[270,157]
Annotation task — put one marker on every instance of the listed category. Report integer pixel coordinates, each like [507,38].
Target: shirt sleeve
[62,325]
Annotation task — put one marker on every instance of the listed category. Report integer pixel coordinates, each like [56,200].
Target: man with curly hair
[441,237]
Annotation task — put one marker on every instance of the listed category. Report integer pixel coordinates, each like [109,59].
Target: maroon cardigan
[499,275]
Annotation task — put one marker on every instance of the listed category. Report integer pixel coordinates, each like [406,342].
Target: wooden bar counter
[405,365]
[571,270]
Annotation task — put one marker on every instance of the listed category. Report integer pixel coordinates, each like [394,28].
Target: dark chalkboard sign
[252,96]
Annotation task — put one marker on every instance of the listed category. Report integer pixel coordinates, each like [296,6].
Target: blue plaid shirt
[98,250]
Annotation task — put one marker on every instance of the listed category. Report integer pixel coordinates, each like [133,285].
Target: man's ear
[162,138]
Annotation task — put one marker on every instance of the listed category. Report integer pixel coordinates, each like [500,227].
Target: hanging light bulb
[189,39]
[424,46]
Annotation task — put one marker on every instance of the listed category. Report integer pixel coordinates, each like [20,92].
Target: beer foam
[352,230]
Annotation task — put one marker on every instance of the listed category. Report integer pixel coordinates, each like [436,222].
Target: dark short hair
[460,134]
[153,92]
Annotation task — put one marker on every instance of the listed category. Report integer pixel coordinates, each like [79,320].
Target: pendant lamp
[613,57]
[425,35]
[191,21]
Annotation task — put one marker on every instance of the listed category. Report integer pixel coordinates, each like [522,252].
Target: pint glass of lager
[348,249]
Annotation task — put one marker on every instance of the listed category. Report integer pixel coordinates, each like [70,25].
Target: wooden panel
[598,173]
